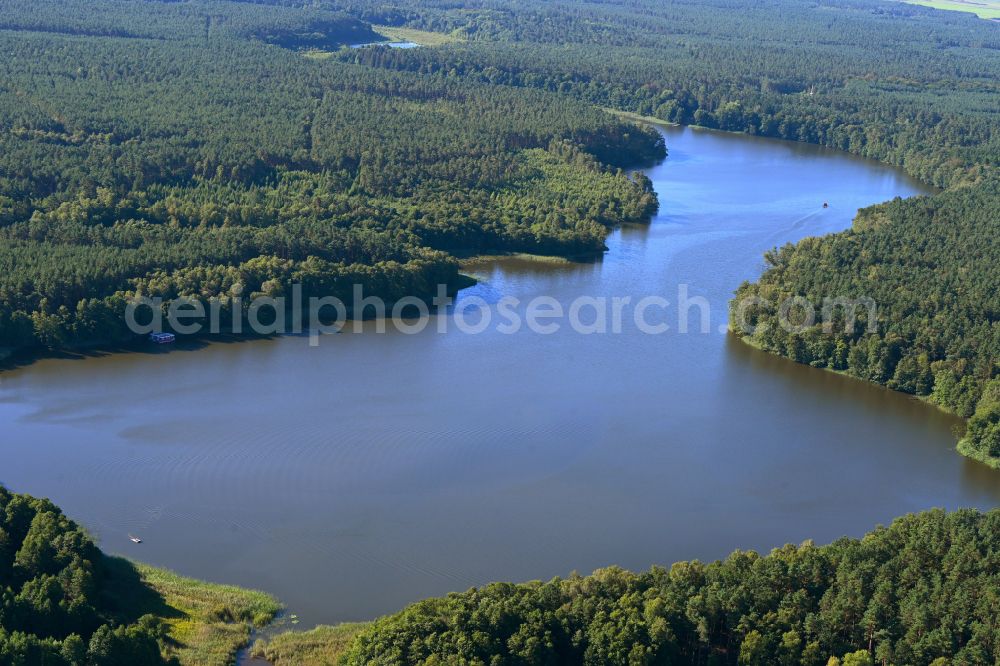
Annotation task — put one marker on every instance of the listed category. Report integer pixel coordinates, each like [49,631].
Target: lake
[391,45]
[375,469]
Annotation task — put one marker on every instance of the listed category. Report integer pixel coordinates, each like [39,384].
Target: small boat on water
[134,539]
[162,338]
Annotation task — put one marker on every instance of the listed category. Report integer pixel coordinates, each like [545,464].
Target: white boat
[134,539]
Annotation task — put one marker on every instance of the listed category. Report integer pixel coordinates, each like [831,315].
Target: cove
[376,469]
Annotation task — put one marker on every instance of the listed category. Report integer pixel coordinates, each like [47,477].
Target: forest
[898,83]
[189,149]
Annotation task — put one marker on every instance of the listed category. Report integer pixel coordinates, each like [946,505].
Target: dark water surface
[374,470]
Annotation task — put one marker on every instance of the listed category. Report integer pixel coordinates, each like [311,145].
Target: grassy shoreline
[321,646]
[639,118]
[206,624]
[412,35]
[474,260]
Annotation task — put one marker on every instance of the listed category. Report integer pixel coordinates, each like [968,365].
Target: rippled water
[373,470]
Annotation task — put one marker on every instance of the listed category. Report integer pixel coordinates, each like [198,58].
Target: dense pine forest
[898,83]
[191,149]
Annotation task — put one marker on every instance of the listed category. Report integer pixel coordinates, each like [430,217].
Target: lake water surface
[374,470]
[392,45]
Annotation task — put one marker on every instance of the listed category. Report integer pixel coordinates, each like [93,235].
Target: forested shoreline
[865,77]
[65,603]
[912,87]
[923,590]
[191,150]
[930,265]
[51,605]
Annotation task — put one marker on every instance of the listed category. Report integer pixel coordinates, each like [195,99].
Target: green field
[987,9]
[422,37]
